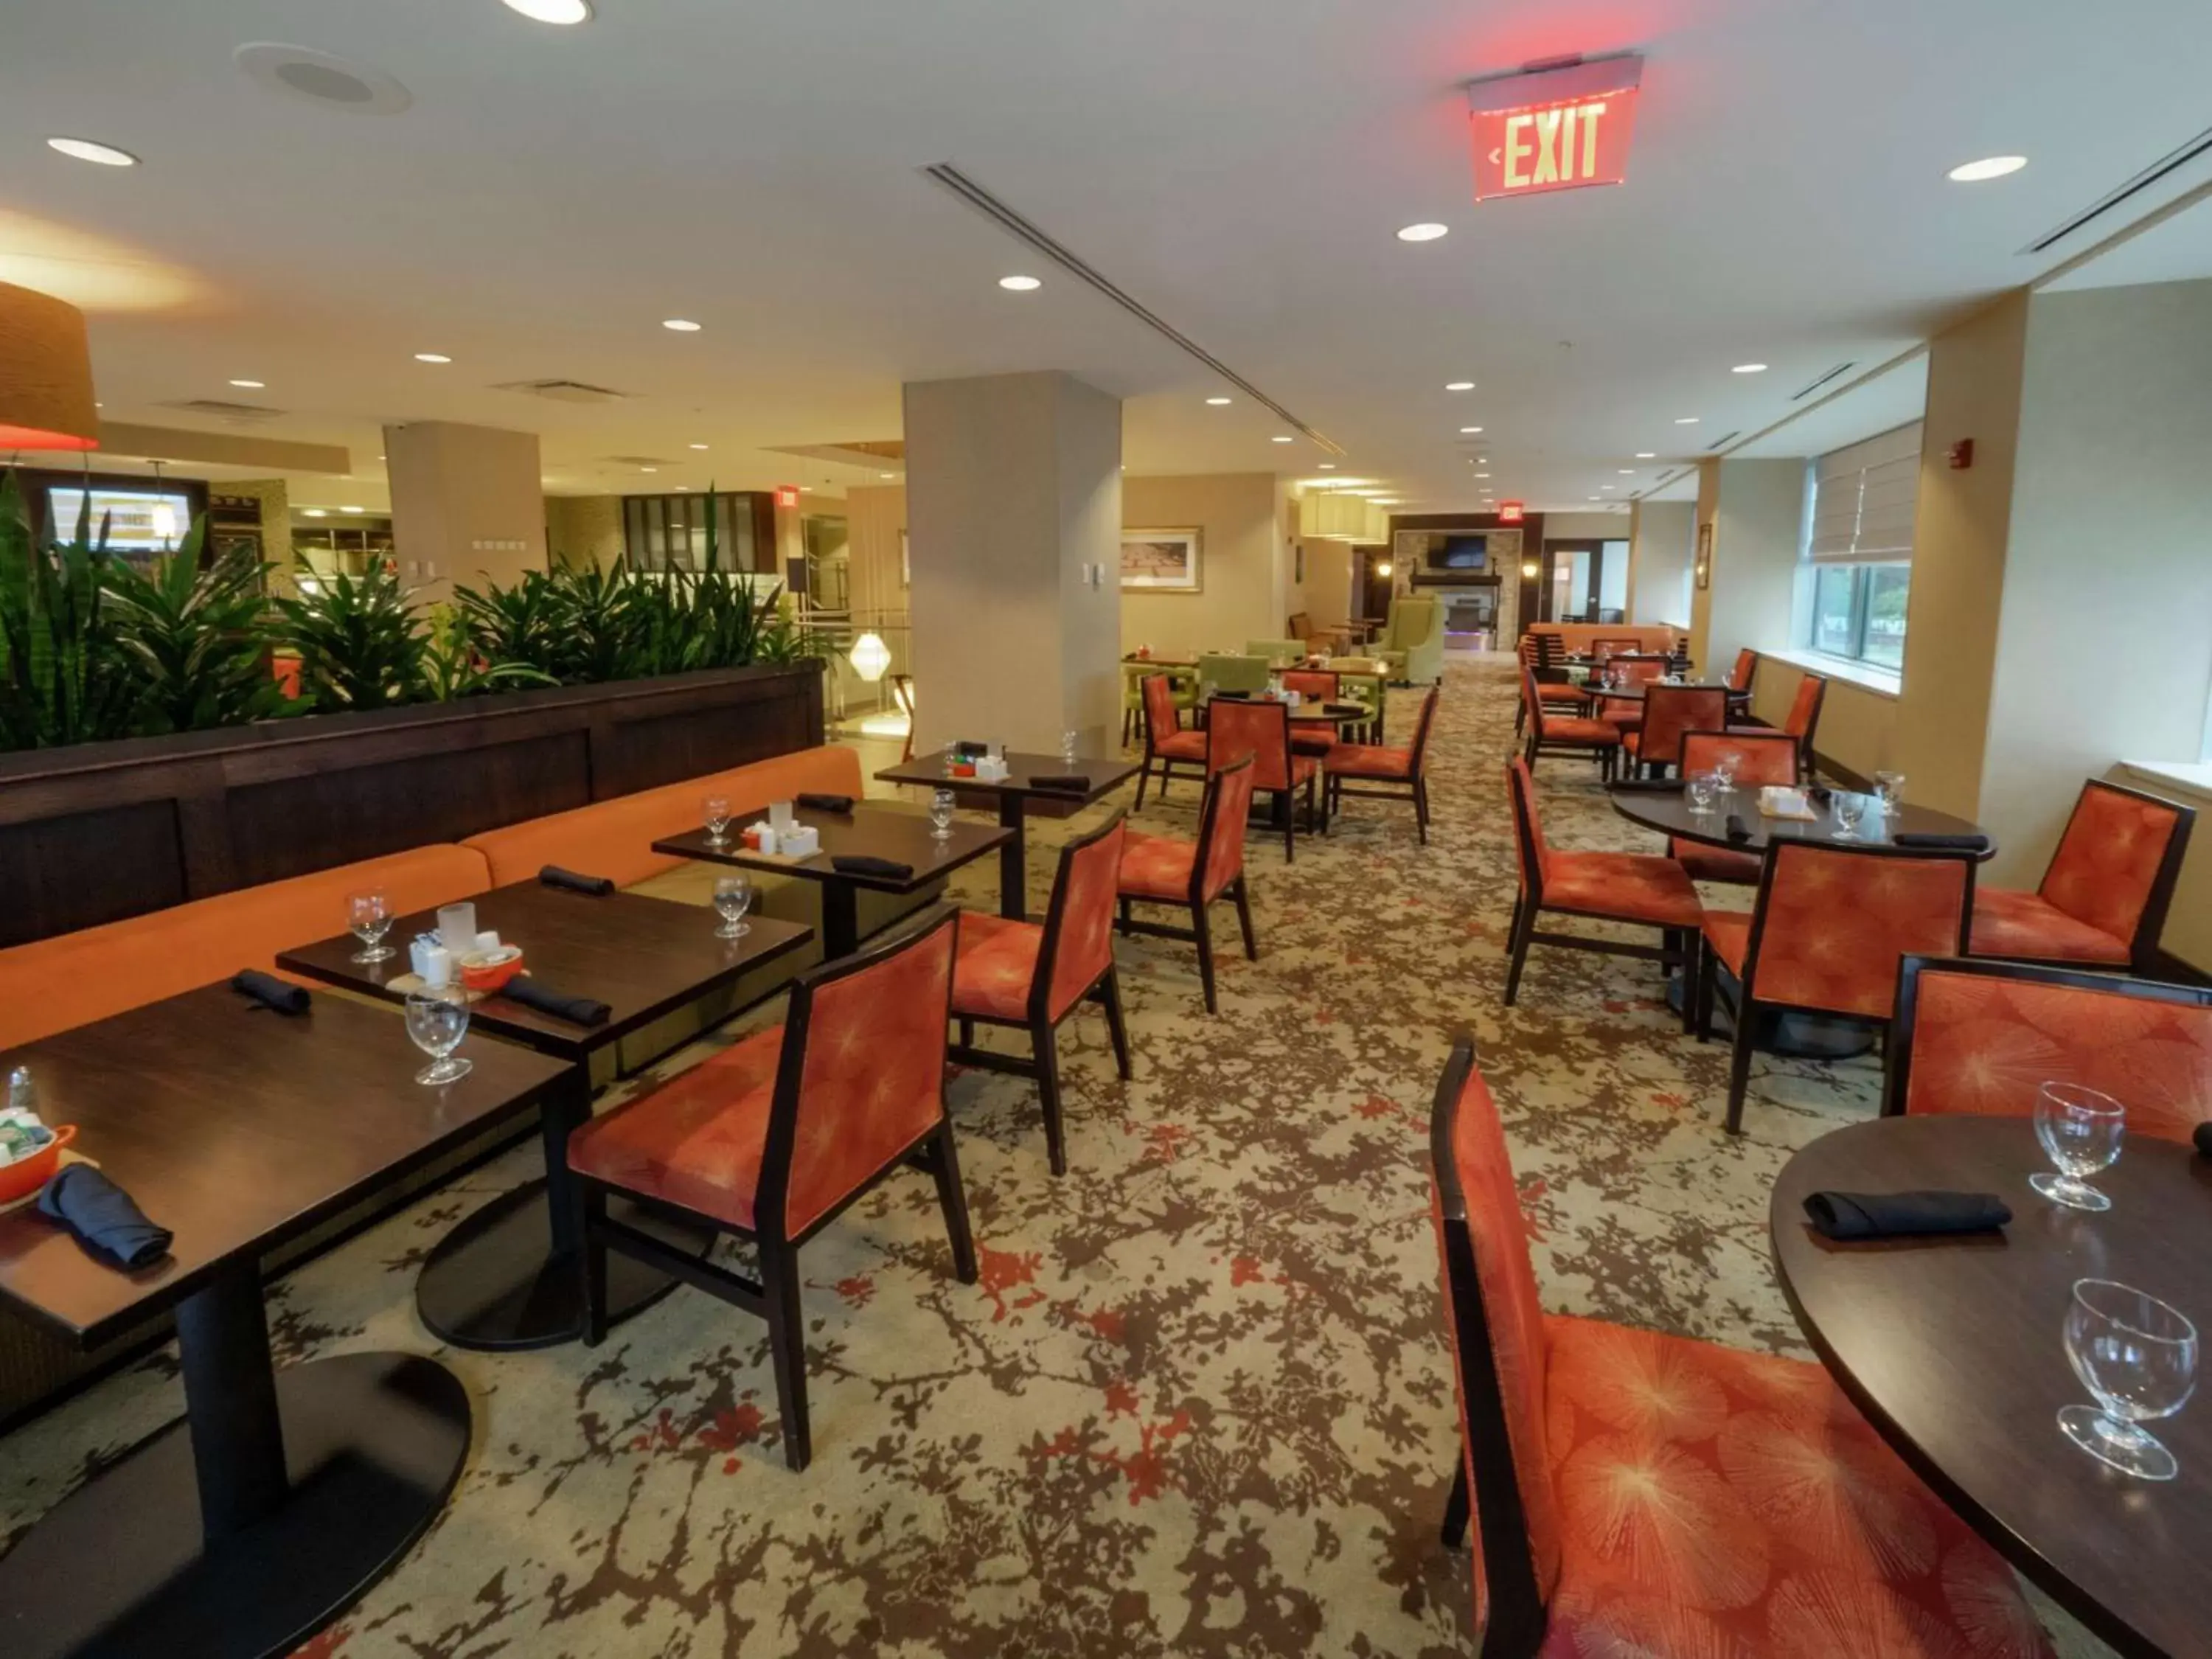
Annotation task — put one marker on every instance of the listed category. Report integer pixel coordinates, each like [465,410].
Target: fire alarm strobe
[1560,125]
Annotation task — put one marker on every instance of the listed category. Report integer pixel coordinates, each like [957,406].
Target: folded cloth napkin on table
[1819,793]
[866,864]
[1066,783]
[1235,696]
[1736,828]
[1929,840]
[1649,786]
[825,803]
[1899,1215]
[272,991]
[2204,1139]
[968,746]
[577,1011]
[103,1217]
[1344,708]
[598,886]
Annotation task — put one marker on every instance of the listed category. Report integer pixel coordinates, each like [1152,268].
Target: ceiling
[1239,166]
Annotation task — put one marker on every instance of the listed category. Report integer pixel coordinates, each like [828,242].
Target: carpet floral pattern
[1199,1402]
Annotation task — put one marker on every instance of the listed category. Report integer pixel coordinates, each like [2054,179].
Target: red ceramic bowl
[26,1175]
[501,965]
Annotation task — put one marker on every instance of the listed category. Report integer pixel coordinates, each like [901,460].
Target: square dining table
[506,1278]
[282,1495]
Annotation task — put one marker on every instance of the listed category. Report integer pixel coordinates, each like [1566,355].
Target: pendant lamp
[45,374]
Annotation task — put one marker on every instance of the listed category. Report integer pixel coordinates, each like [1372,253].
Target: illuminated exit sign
[1561,128]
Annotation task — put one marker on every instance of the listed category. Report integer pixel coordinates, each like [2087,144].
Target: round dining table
[1666,808]
[1952,1348]
[1635,693]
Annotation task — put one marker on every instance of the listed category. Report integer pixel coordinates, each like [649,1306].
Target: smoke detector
[323,78]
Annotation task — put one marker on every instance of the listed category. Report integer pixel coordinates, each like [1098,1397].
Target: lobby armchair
[1412,644]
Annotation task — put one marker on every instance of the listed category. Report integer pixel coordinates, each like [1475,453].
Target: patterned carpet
[1200,1403]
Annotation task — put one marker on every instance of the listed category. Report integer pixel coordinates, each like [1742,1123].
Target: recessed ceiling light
[1019,284]
[887,475]
[1216,402]
[1686,420]
[1594,498]
[1469,431]
[1994,167]
[1425,232]
[1459,385]
[353,509]
[684,490]
[698,445]
[251,385]
[1628,471]
[1647,454]
[84,149]
[1282,438]
[431,357]
[682,324]
[1328,466]
[648,469]
[1750,368]
[316,513]
[553,11]
[1482,475]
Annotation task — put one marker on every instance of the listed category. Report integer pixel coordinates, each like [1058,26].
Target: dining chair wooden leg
[1692,960]
[1128,915]
[1117,1027]
[1144,773]
[1709,974]
[1204,932]
[591,1259]
[1286,809]
[1048,1068]
[953,1198]
[1524,925]
[1740,1061]
[1129,719]
[967,1032]
[1457,1508]
[1421,807]
[787,1341]
[1244,919]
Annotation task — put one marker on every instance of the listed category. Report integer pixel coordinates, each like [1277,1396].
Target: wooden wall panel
[84,868]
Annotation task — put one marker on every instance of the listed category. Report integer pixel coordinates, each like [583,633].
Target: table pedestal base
[373,1445]
[498,1281]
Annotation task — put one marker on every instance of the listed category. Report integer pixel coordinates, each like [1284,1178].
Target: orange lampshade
[45,374]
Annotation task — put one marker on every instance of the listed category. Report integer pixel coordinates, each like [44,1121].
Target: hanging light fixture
[45,374]
[870,657]
[162,520]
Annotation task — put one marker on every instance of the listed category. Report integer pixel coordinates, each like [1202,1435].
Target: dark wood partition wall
[109,830]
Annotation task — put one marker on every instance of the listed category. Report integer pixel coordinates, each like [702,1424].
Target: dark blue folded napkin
[1061,783]
[272,991]
[554,876]
[821,802]
[867,864]
[1737,829]
[1929,841]
[577,1011]
[1899,1215]
[103,1217]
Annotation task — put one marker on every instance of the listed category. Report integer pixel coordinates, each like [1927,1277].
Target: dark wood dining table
[1636,692]
[1016,797]
[1668,811]
[1952,1349]
[871,830]
[506,1277]
[282,1495]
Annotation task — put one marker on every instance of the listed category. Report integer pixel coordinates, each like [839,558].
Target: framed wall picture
[1298,563]
[1705,555]
[1162,562]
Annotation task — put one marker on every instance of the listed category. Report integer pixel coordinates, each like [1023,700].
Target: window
[1859,548]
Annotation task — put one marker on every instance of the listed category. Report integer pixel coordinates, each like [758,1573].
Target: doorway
[1585,580]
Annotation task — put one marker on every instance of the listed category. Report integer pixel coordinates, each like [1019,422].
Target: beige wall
[1244,581]
[1329,598]
[1959,537]
[584,529]
[467,505]
[1666,534]
[875,517]
[1857,723]
[1757,509]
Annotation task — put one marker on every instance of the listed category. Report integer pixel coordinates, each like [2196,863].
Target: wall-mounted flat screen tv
[1460,553]
[140,523]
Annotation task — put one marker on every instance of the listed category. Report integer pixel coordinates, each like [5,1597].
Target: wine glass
[1890,786]
[1067,741]
[2138,1356]
[717,809]
[2080,1130]
[1726,765]
[940,816]
[1701,788]
[438,1024]
[1848,807]
[369,918]
[733,897]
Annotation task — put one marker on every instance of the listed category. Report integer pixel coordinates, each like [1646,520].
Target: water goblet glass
[437,1023]
[2138,1356]
[1702,788]
[2080,1130]
[717,808]
[940,816]
[1890,786]
[1726,765]
[733,897]
[1848,808]
[1067,742]
[369,918]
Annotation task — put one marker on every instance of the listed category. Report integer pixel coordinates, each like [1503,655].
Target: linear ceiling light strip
[1016,226]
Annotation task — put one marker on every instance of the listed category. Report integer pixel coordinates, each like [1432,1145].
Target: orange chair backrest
[1160,716]
[1605,650]
[1500,1348]
[1671,710]
[1761,757]
[1983,1038]
[1078,929]
[1235,728]
[2108,862]
[1527,824]
[1223,821]
[1831,924]
[1805,707]
[1641,670]
[1422,725]
[1747,664]
[1310,683]
[862,1074]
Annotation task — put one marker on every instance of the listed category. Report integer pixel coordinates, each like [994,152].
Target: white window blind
[1863,499]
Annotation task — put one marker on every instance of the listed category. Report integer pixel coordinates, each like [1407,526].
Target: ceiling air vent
[563,391]
[1719,444]
[2169,163]
[218,409]
[1839,370]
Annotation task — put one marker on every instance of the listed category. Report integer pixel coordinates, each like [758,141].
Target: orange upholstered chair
[1564,734]
[1638,888]
[771,1139]
[1395,773]
[1032,976]
[1161,870]
[1605,650]
[2105,895]
[1745,671]
[1236,727]
[1826,935]
[1630,670]
[1668,711]
[1540,653]
[1315,685]
[1762,756]
[1984,1037]
[1166,744]
[1803,723]
[1636,1493]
